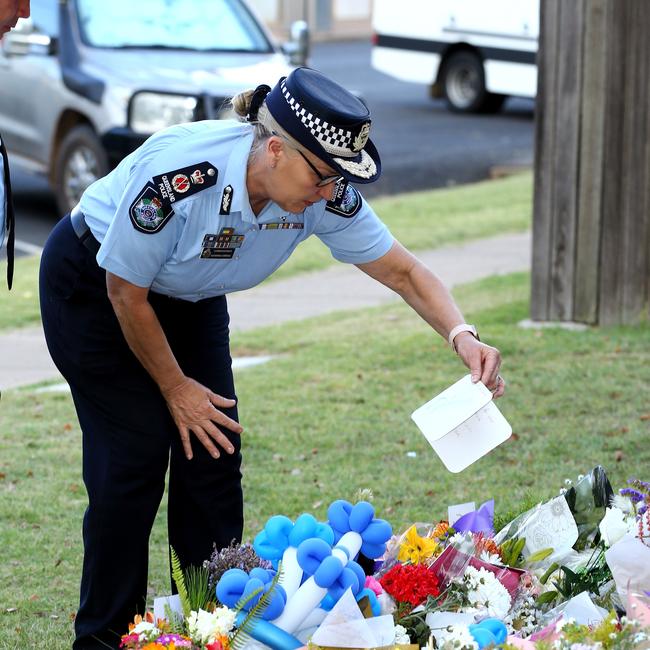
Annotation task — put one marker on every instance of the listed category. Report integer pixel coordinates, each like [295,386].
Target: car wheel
[81,160]
[463,85]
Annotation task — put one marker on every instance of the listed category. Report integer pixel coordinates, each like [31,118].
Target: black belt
[82,231]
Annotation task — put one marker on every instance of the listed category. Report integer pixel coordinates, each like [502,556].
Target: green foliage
[589,578]
[199,592]
[179,580]
[511,551]
[193,585]
[19,307]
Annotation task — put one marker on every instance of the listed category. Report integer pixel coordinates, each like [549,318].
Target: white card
[454,513]
[462,424]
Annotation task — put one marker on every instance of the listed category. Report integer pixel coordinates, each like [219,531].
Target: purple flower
[635,495]
[641,485]
[176,639]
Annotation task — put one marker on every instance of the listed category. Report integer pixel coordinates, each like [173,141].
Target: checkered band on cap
[335,140]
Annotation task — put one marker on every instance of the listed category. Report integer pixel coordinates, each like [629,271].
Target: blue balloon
[272,541]
[311,554]
[339,517]
[278,529]
[360,518]
[231,586]
[482,636]
[236,584]
[328,572]
[360,573]
[270,634]
[263,547]
[361,515]
[378,531]
[497,628]
[325,532]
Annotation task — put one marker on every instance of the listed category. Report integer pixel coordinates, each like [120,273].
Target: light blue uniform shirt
[199,251]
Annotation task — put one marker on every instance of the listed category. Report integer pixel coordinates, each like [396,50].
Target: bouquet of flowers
[203,623]
[571,572]
[202,630]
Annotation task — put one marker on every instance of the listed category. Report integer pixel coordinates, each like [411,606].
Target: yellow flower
[415,549]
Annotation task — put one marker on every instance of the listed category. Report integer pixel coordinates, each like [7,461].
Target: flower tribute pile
[571,573]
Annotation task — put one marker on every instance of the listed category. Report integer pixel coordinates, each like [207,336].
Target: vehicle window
[209,25]
[45,16]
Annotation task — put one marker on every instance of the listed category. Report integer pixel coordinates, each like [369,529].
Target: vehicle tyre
[81,160]
[463,83]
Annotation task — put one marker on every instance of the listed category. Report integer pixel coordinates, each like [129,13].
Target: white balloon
[291,571]
[351,542]
[300,605]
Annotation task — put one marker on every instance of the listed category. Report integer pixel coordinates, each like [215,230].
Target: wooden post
[591,228]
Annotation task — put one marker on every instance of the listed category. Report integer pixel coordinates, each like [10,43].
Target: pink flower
[374,585]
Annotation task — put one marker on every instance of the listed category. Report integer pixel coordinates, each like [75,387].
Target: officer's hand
[483,362]
[195,408]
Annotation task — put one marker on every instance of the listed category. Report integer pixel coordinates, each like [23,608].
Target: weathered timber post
[591,226]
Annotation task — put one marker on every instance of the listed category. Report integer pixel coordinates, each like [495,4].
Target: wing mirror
[297,48]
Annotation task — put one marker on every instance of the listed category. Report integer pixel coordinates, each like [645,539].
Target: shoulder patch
[148,213]
[181,183]
[348,205]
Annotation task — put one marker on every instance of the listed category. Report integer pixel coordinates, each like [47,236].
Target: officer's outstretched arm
[402,272]
[194,407]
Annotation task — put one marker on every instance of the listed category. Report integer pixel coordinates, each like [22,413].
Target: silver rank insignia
[226,199]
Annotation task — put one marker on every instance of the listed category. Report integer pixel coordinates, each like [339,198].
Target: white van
[471,52]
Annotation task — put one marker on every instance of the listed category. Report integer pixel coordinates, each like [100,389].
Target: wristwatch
[463,327]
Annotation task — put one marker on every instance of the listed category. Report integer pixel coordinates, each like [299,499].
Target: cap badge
[360,141]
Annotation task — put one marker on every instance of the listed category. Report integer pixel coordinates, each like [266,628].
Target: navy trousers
[130,439]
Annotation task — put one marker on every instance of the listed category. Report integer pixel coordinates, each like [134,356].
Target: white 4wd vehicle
[85,82]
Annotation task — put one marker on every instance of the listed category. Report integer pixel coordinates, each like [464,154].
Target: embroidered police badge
[226,199]
[181,183]
[346,205]
[148,213]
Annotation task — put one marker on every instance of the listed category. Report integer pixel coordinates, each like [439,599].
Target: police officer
[133,289]
[10,12]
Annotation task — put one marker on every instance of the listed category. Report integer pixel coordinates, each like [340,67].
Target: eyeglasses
[324,180]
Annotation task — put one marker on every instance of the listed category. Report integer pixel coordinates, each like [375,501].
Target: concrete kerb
[24,359]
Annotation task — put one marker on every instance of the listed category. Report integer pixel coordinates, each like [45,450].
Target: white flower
[401,636]
[613,526]
[457,637]
[490,558]
[622,503]
[205,627]
[146,630]
[486,592]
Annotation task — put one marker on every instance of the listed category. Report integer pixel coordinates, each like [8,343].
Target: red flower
[410,583]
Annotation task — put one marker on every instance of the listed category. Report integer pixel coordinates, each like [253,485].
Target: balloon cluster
[318,567]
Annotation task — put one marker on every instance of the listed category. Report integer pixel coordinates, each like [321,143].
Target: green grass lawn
[420,220]
[330,415]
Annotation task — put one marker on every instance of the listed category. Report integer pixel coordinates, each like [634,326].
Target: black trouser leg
[128,434]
